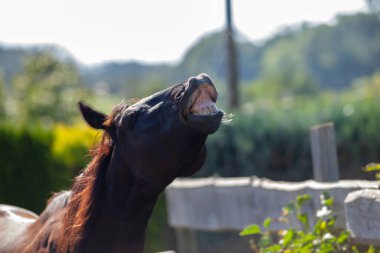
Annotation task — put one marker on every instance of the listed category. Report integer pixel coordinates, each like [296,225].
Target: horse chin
[207,124]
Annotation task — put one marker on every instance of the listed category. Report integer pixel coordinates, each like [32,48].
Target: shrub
[71,144]
[274,143]
[322,237]
[29,173]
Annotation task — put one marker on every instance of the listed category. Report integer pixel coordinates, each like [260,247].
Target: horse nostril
[199,80]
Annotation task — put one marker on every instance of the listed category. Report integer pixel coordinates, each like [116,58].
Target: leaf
[326,199]
[331,221]
[308,238]
[252,229]
[302,199]
[267,222]
[372,167]
[329,202]
[343,237]
[265,241]
[323,225]
[303,218]
[371,249]
[318,226]
[288,237]
[326,248]
[289,208]
[273,248]
[306,248]
[355,249]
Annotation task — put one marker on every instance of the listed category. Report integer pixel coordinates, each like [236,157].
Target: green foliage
[373,167]
[322,237]
[71,144]
[38,161]
[29,172]
[46,90]
[252,229]
[332,56]
[269,136]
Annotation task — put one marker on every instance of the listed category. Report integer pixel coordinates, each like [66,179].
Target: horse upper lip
[201,101]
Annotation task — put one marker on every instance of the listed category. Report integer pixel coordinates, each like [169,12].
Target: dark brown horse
[145,146]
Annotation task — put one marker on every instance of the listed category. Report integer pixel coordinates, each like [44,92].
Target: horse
[144,147]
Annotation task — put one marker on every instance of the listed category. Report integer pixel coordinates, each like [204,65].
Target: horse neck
[123,214]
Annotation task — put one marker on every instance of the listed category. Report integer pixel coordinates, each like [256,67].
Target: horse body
[144,148]
[24,231]
[14,221]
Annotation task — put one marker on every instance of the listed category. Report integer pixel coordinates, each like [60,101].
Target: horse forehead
[157,97]
[151,107]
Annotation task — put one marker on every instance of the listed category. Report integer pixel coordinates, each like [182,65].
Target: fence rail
[220,204]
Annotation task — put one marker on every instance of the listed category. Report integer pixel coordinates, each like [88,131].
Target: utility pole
[232,61]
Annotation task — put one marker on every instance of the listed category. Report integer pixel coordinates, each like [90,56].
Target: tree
[2,97]
[233,79]
[47,90]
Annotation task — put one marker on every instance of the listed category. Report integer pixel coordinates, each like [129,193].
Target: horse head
[162,136]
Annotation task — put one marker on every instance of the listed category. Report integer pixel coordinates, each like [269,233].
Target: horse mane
[87,193]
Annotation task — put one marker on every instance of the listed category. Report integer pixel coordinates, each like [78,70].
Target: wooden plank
[362,210]
[324,154]
[224,204]
[186,240]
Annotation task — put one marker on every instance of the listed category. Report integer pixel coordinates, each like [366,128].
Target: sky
[151,31]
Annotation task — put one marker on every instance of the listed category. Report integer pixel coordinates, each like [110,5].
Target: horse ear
[93,118]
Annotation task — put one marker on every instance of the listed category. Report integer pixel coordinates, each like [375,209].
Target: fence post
[324,154]
[186,240]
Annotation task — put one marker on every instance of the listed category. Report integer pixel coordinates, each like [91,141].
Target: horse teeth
[207,110]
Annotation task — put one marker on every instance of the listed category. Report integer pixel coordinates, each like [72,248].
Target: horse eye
[178,93]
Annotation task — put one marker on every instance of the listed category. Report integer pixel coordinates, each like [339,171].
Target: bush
[273,141]
[29,172]
[36,162]
[71,144]
[322,237]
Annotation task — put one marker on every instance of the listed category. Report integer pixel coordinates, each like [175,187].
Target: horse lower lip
[206,114]
[207,124]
